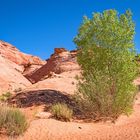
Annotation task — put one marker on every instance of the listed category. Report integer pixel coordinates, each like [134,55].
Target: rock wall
[23,60]
[61,61]
[10,78]
[19,70]
[13,64]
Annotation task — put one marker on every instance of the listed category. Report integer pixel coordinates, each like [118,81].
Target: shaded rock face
[61,61]
[31,69]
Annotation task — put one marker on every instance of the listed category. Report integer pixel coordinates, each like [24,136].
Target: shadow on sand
[43,97]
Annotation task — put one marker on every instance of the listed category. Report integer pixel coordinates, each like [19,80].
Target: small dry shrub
[5,96]
[12,121]
[62,111]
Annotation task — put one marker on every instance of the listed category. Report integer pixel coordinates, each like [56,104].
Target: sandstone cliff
[13,64]
[10,78]
[61,61]
[23,60]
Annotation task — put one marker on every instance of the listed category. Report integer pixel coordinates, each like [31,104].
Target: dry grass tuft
[62,111]
[12,121]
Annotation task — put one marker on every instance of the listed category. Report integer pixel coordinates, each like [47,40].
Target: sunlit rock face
[60,61]
[10,78]
[13,54]
[13,65]
[20,70]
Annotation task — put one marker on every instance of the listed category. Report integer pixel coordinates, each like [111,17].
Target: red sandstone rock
[13,54]
[10,78]
[24,63]
[31,69]
[59,50]
[61,61]
[13,64]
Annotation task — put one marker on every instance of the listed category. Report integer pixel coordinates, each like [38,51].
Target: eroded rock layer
[61,61]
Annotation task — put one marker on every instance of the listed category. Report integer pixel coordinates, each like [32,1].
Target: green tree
[106,55]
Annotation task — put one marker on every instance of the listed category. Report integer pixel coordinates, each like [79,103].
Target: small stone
[43,115]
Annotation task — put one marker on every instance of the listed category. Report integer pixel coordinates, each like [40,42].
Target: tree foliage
[106,55]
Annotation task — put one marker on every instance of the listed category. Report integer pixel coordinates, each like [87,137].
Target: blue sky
[38,26]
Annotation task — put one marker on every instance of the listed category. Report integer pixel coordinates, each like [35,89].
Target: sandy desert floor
[125,128]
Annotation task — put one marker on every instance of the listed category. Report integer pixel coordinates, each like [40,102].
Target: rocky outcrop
[31,69]
[23,60]
[61,61]
[10,78]
[13,64]
[13,54]
[19,70]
